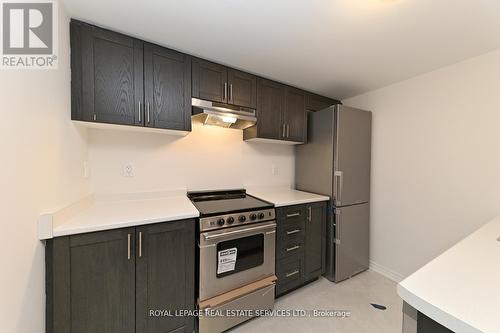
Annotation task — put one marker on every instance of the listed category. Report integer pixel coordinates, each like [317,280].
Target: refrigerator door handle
[338,186]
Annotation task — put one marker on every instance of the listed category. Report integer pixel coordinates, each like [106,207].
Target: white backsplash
[208,158]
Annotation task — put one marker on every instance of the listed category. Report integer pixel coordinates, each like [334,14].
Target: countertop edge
[433,312]
[120,225]
[282,197]
[300,202]
[49,222]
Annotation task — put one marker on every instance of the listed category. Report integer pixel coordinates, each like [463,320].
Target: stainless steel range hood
[224,115]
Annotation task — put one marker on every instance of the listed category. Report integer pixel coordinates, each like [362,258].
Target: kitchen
[137,199]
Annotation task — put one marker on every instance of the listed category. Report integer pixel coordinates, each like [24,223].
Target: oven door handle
[236,232]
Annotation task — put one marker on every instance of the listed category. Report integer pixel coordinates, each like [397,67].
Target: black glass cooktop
[211,203]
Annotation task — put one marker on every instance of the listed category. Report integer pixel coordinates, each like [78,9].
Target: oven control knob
[220,222]
[253,216]
[230,220]
[242,218]
[261,216]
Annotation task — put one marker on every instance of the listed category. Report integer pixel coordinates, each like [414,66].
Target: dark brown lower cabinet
[164,281]
[109,281]
[427,325]
[315,240]
[300,245]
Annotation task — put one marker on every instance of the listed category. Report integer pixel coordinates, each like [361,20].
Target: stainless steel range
[236,257]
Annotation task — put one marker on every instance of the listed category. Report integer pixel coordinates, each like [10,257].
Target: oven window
[250,253]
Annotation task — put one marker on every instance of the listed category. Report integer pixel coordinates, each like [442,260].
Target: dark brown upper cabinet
[167,83]
[117,79]
[280,113]
[270,107]
[209,81]
[294,119]
[242,88]
[316,102]
[221,84]
[106,75]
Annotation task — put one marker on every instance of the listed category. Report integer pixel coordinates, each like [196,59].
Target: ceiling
[339,48]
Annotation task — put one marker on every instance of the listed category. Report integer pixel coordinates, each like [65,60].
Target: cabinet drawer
[293,215]
[292,248]
[290,274]
[291,231]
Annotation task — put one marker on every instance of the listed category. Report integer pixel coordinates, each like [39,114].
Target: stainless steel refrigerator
[336,162]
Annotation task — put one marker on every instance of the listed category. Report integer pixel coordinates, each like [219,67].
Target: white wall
[208,158]
[436,161]
[42,156]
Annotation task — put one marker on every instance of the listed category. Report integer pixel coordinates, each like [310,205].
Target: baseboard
[388,273]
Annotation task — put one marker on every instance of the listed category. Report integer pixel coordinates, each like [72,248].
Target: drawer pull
[293,232]
[292,273]
[293,248]
[292,215]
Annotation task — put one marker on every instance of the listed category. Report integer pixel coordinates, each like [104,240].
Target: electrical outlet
[86,169]
[274,169]
[128,170]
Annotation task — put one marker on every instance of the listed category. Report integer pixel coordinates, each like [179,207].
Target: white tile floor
[354,295]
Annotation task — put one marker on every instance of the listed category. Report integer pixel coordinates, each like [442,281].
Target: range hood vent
[224,115]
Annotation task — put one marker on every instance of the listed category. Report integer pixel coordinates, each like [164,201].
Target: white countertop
[111,212]
[282,196]
[460,289]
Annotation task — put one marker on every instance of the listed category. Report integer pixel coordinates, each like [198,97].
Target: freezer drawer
[352,240]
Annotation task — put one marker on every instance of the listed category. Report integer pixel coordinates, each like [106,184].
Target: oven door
[234,257]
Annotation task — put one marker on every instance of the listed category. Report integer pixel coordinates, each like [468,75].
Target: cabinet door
[270,108]
[165,275]
[315,240]
[107,76]
[242,88]
[295,115]
[101,282]
[317,102]
[209,81]
[167,78]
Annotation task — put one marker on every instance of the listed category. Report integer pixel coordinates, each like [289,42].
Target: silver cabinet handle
[287,130]
[224,96]
[292,273]
[139,111]
[284,131]
[140,244]
[309,213]
[292,215]
[293,248]
[129,236]
[231,92]
[147,113]
[340,180]
[293,232]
